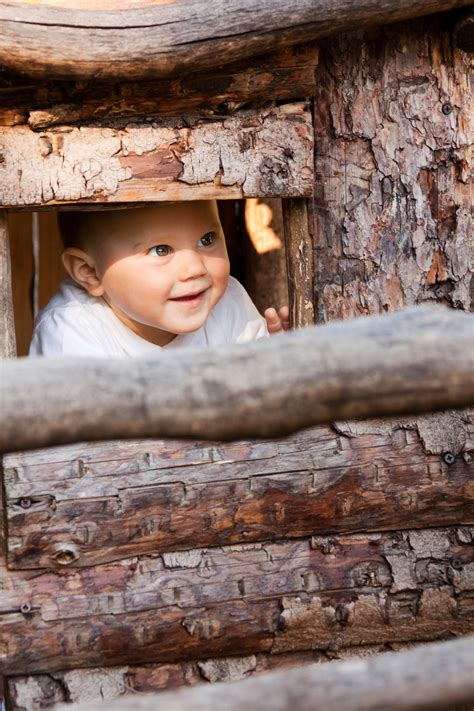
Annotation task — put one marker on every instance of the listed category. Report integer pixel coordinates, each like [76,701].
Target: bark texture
[393,137]
[7,322]
[265,152]
[163,39]
[417,360]
[317,593]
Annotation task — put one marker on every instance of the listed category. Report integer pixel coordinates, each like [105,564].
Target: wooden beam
[413,361]
[299,261]
[162,496]
[261,152]
[162,39]
[436,676]
[284,74]
[316,593]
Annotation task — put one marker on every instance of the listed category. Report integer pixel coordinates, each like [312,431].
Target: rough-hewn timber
[299,260]
[255,152]
[438,677]
[417,361]
[7,323]
[163,496]
[313,593]
[287,73]
[163,39]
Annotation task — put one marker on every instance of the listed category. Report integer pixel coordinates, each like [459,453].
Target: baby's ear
[81,267]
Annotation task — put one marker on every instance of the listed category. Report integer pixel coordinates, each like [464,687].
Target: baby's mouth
[190,297]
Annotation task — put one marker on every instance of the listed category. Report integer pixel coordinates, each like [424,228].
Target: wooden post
[299,260]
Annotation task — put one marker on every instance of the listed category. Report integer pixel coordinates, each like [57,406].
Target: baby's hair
[78,227]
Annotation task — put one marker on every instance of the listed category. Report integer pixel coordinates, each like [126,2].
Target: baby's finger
[284,314]
[273,320]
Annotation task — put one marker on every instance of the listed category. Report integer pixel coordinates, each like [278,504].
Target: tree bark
[436,676]
[161,40]
[410,362]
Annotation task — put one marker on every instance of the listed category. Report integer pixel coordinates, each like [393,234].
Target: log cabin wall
[389,226]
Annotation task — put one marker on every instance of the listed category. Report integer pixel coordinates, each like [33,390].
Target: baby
[147,278]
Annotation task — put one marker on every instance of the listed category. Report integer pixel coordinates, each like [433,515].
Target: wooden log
[416,360]
[436,676]
[316,593]
[284,74]
[163,496]
[393,198]
[172,38]
[264,152]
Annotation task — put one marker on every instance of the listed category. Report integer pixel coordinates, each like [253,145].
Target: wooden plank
[160,496]
[379,366]
[437,676]
[254,152]
[174,38]
[299,261]
[311,594]
[284,74]
[7,320]
[22,272]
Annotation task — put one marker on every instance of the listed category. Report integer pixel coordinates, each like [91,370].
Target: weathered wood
[318,593]
[173,38]
[7,321]
[299,261]
[264,152]
[436,676]
[416,360]
[393,185]
[287,73]
[163,496]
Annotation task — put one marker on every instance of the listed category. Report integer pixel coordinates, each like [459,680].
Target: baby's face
[164,268]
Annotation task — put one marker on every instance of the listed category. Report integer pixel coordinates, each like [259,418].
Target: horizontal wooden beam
[267,152]
[159,496]
[168,38]
[315,593]
[413,361]
[436,677]
[284,74]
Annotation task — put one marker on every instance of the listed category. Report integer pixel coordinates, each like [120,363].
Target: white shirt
[76,324]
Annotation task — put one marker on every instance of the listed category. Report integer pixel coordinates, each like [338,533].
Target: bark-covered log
[163,39]
[318,593]
[299,260]
[436,676]
[414,361]
[393,185]
[163,496]
[255,152]
[287,73]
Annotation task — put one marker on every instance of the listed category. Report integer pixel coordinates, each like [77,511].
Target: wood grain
[7,321]
[253,152]
[161,40]
[316,593]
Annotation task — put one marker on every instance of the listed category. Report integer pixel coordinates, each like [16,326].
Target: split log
[417,360]
[162,496]
[163,39]
[284,74]
[436,676]
[7,322]
[261,152]
[299,260]
[318,593]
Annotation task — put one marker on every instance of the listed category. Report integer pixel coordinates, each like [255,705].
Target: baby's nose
[191,265]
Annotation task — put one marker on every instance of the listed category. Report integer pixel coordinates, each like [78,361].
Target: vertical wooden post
[299,260]
[7,322]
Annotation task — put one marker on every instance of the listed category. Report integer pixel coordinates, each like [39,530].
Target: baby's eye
[207,239]
[160,250]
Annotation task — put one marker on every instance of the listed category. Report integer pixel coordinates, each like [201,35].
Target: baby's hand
[277,321]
